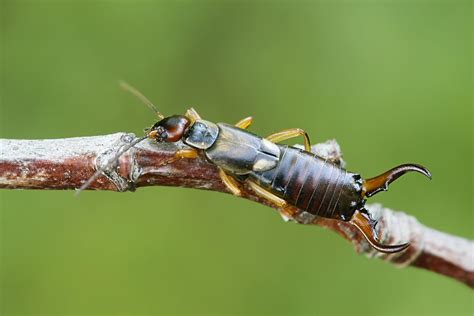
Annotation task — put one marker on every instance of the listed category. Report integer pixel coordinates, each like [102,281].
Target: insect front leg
[290,133]
[187,153]
[244,123]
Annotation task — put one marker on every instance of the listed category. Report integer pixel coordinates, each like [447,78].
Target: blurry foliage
[390,80]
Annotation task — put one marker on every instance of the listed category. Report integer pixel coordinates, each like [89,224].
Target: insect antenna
[108,164]
[125,86]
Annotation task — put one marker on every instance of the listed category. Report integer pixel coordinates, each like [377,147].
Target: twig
[68,163]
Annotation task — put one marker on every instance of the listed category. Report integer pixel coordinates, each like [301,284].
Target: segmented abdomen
[312,184]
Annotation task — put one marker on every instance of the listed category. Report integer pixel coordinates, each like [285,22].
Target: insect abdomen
[313,184]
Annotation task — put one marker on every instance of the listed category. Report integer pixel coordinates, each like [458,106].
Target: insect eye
[162,134]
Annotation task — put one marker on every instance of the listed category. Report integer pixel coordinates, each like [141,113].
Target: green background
[390,80]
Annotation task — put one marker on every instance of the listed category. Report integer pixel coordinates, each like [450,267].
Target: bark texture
[68,163]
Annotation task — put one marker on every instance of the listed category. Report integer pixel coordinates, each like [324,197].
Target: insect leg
[267,195]
[244,123]
[192,114]
[186,153]
[181,154]
[291,133]
[287,212]
[229,182]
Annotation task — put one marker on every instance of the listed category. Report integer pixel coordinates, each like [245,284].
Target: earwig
[284,175]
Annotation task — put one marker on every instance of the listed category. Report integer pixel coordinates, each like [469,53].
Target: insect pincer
[381,182]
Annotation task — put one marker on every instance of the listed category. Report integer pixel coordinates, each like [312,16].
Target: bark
[68,163]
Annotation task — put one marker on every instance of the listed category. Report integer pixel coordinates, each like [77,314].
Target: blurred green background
[390,80]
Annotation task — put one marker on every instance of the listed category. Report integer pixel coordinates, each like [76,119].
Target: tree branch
[68,163]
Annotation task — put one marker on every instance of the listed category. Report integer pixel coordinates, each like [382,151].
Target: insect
[284,175]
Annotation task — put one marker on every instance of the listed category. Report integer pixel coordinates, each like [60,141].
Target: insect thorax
[240,152]
[202,134]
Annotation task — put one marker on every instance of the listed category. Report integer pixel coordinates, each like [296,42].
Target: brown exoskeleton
[284,175]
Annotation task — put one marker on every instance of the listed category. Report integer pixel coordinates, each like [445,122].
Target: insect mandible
[285,176]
